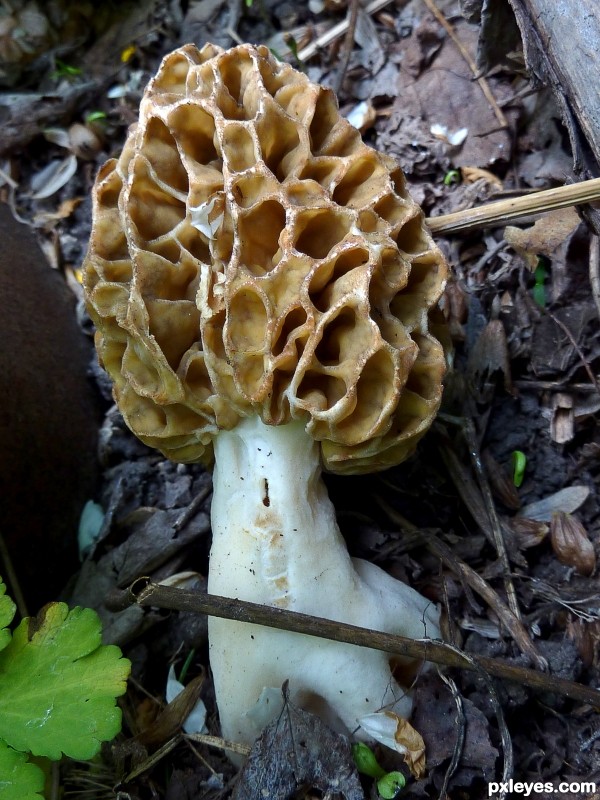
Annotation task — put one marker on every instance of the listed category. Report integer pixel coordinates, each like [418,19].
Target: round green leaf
[58,685]
[7,612]
[19,780]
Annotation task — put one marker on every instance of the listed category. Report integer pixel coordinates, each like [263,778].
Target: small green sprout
[388,783]
[64,70]
[539,288]
[451,177]
[95,116]
[293,45]
[519,461]
[186,665]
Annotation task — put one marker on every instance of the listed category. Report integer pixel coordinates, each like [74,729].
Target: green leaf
[58,685]
[7,612]
[19,780]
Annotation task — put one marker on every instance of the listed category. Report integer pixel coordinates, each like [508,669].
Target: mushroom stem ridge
[276,542]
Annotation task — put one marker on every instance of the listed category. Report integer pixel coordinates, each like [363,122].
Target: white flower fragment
[195,722]
[205,221]
[455,138]
[398,734]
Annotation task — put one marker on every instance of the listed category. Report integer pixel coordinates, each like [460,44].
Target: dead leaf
[501,482]
[65,209]
[472,174]
[562,423]
[398,734]
[435,715]
[172,717]
[571,544]
[440,95]
[52,177]
[552,351]
[567,500]
[549,236]
[298,752]
[528,532]
[487,360]
[586,637]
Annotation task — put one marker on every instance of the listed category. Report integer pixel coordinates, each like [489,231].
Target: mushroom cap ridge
[251,255]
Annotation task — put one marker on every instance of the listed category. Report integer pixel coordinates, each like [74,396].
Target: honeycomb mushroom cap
[251,255]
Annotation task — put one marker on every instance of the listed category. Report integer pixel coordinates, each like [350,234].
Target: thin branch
[348,45]
[145,593]
[504,211]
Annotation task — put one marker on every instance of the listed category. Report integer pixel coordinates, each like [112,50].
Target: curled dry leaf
[586,638]
[398,734]
[53,177]
[549,236]
[472,174]
[528,532]
[84,142]
[500,481]
[571,544]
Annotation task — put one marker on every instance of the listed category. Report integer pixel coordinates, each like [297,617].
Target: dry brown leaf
[546,237]
[413,747]
[501,482]
[472,174]
[528,532]
[172,717]
[398,734]
[586,637]
[571,544]
[295,753]
[562,424]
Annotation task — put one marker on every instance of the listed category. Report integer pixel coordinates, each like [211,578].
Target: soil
[526,351]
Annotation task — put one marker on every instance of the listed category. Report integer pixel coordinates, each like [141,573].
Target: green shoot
[519,461]
[388,783]
[539,289]
[451,177]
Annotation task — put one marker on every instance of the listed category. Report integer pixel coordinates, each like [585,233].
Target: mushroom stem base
[276,542]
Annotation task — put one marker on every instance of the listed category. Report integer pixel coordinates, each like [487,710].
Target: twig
[507,618]
[507,748]
[348,45]
[483,84]
[460,725]
[578,350]
[337,30]
[490,507]
[595,270]
[505,211]
[145,593]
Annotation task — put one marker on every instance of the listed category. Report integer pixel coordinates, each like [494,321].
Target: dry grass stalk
[504,211]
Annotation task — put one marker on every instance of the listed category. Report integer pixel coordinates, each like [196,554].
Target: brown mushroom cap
[251,255]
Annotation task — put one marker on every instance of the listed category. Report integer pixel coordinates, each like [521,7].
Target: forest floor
[514,450]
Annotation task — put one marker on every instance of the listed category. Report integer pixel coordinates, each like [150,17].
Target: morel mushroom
[262,286]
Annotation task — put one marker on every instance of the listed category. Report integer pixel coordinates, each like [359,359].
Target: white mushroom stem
[276,542]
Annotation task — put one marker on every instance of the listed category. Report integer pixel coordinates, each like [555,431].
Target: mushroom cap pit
[251,255]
